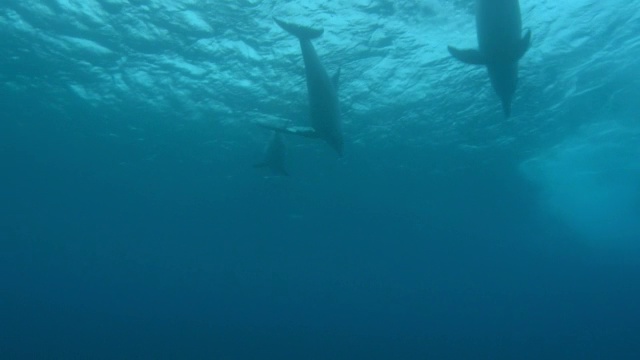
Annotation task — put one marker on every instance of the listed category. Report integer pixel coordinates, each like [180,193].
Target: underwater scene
[307,179]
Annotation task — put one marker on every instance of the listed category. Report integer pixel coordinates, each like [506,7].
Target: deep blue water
[133,225]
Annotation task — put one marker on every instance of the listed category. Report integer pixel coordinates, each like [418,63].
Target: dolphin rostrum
[500,46]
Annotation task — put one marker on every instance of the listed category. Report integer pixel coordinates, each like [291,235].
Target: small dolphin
[274,155]
[500,46]
[323,92]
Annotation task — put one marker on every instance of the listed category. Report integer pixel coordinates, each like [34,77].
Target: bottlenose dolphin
[500,46]
[274,155]
[323,92]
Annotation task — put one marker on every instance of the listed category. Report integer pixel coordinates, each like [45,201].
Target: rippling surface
[207,60]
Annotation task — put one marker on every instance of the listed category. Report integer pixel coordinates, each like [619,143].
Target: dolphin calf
[274,155]
[323,92]
[500,46]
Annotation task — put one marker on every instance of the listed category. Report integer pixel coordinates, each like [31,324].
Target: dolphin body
[274,155]
[500,46]
[323,92]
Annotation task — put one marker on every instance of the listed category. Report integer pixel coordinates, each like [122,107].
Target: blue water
[134,226]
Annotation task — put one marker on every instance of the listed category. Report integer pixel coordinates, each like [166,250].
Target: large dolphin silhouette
[323,92]
[274,155]
[500,46]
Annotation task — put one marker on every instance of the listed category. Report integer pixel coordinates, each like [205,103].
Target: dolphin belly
[498,26]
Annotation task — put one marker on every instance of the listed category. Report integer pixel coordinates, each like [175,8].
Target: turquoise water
[134,225]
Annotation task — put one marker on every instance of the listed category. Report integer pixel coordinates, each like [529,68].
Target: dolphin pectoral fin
[468,56]
[273,127]
[335,79]
[524,44]
[305,131]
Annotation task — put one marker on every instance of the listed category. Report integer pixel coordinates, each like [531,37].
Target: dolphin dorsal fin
[335,79]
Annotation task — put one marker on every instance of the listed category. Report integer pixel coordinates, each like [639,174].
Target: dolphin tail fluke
[524,44]
[299,31]
[467,56]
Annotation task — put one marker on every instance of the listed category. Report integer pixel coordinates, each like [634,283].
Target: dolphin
[323,92]
[500,46]
[274,155]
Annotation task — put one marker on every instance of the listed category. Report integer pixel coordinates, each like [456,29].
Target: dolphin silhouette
[500,46]
[323,92]
[274,155]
